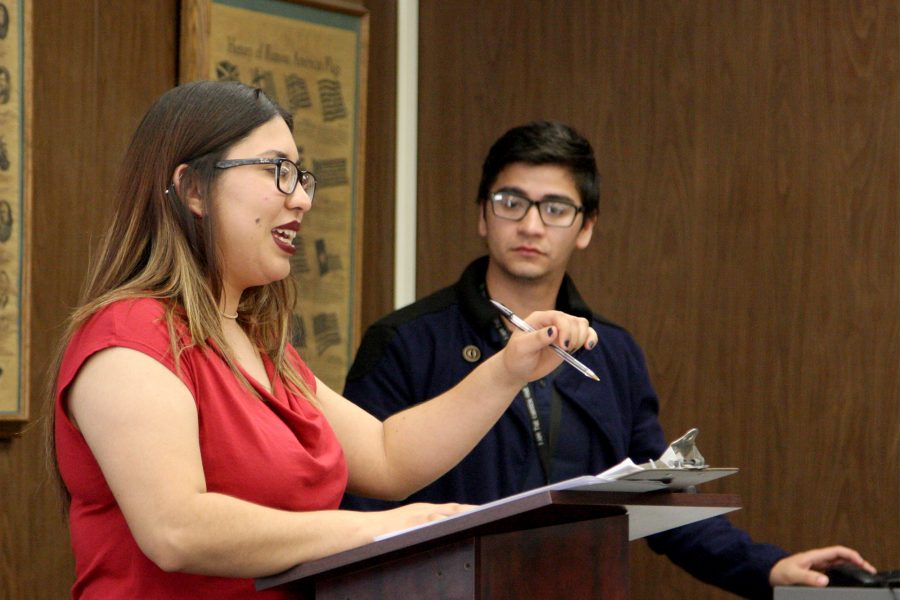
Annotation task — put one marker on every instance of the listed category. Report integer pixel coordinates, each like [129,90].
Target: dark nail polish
[549,332]
[591,345]
[566,344]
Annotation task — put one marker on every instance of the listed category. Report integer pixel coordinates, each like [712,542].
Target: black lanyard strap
[544,446]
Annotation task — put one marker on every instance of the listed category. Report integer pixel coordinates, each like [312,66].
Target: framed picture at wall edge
[15,213]
[311,58]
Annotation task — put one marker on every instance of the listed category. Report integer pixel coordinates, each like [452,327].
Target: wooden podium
[553,544]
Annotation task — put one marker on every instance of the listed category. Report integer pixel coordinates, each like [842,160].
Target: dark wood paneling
[748,233]
[381,165]
[97,65]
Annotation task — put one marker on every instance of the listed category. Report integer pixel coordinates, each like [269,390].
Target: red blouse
[280,453]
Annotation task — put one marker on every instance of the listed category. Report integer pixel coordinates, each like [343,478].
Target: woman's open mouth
[284,236]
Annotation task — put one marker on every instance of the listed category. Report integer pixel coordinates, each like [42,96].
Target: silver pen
[524,326]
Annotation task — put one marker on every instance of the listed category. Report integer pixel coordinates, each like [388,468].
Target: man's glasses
[553,213]
[287,173]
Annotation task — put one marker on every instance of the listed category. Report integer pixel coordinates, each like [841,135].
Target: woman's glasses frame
[287,173]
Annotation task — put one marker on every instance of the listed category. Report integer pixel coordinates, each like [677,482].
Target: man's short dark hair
[545,143]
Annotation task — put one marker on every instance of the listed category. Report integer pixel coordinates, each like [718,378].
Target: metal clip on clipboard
[681,454]
[681,466]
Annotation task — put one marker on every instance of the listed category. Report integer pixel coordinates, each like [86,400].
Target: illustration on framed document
[310,57]
[15,202]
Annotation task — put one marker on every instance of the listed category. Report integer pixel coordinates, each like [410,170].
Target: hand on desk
[805,568]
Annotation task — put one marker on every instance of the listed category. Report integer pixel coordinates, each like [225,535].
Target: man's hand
[805,568]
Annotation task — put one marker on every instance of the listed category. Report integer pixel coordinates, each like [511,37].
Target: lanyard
[545,446]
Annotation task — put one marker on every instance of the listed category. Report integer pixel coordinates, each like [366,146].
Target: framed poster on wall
[311,58]
[15,212]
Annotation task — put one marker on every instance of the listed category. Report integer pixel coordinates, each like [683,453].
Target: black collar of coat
[481,313]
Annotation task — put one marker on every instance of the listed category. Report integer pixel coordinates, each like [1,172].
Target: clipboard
[676,479]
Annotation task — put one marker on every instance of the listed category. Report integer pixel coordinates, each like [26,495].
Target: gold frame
[15,317]
[274,43]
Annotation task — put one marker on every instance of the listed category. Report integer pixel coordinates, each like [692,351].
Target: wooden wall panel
[748,233]
[98,65]
[381,164]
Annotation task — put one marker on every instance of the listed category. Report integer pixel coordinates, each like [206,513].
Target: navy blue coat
[424,349]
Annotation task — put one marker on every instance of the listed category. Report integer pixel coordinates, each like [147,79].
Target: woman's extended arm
[140,422]
[412,448]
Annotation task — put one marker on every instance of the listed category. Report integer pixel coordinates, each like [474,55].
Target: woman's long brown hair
[156,247]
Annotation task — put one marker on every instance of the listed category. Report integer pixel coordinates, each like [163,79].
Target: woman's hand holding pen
[528,354]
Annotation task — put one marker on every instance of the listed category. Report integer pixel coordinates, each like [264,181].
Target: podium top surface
[648,513]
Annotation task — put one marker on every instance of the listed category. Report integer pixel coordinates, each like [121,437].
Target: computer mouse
[850,575]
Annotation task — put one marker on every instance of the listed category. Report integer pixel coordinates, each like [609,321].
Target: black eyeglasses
[287,173]
[553,213]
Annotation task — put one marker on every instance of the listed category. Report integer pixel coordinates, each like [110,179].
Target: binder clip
[681,454]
